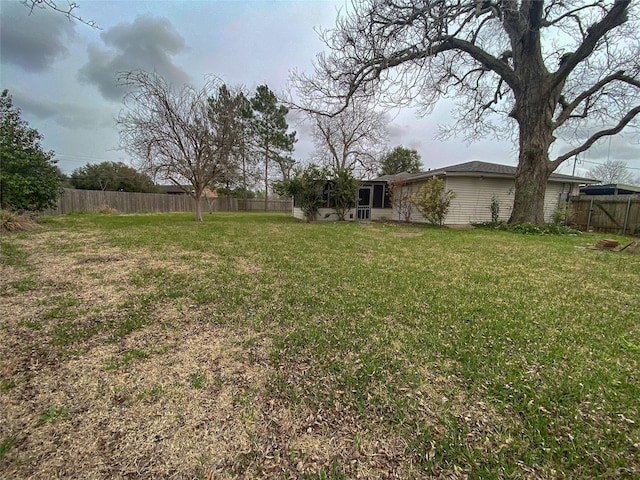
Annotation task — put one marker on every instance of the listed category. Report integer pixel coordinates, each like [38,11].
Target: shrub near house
[432,201]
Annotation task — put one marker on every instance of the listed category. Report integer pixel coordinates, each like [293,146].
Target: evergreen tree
[272,141]
[29,179]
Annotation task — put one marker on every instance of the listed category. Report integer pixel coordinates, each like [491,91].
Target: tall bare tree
[550,67]
[170,133]
[611,171]
[353,140]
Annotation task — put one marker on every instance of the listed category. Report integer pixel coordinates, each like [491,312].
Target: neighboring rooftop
[176,189]
[610,189]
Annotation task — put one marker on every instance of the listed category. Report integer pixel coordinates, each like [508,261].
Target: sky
[62,73]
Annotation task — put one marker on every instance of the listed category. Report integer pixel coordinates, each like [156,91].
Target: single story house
[476,185]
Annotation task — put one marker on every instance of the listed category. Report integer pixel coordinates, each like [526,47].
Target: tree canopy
[272,140]
[540,69]
[29,179]
[352,140]
[111,176]
[306,187]
[612,171]
[399,160]
[229,115]
[170,131]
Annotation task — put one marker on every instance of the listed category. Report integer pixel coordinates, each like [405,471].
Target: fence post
[589,217]
[626,215]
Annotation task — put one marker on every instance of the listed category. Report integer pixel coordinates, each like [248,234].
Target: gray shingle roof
[477,168]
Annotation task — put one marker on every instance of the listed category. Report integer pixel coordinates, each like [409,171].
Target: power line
[600,164]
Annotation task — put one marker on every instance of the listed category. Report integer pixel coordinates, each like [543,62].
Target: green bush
[306,187]
[29,179]
[432,201]
[528,228]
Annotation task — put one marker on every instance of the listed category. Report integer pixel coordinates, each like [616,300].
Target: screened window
[381,197]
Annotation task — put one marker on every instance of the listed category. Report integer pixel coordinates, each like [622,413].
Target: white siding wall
[473,200]
[552,199]
[474,195]
[471,205]
[383,214]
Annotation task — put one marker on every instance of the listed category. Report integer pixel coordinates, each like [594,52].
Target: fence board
[87,201]
[607,213]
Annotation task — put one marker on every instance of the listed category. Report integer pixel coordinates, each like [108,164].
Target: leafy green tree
[400,160]
[432,201]
[270,129]
[344,191]
[306,186]
[29,178]
[111,176]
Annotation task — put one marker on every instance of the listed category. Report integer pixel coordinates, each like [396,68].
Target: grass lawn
[255,346]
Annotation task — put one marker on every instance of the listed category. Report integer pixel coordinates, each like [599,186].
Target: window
[381,197]
[378,196]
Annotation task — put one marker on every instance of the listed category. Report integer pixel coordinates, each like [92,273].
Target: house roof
[610,189]
[479,169]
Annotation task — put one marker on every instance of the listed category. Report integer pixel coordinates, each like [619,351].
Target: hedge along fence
[607,213]
[87,201]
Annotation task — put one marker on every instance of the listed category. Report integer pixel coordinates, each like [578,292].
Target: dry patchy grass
[131,349]
[126,407]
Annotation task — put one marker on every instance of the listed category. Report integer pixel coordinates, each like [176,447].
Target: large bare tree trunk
[197,197]
[534,167]
[530,188]
[536,100]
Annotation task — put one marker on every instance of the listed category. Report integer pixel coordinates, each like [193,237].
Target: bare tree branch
[170,131]
[68,11]
[352,140]
[624,121]
[549,65]
[615,17]
[569,108]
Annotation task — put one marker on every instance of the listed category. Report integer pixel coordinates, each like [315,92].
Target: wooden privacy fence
[79,201]
[607,213]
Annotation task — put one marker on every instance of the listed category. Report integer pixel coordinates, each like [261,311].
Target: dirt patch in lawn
[88,394]
[406,234]
[179,397]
